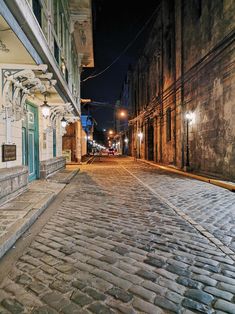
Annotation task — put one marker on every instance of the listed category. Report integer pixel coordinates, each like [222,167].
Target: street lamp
[189,118]
[63,122]
[45,108]
[140,135]
[122,113]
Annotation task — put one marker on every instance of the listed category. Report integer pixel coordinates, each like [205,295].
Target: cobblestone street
[129,238]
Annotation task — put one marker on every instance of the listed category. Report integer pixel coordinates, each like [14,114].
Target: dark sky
[116,23]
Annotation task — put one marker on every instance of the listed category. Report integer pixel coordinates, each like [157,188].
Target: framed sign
[8,152]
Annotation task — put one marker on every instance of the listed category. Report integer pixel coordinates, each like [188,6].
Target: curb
[222,184]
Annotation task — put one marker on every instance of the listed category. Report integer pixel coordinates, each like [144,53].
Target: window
[169,54]
[56,51]
[37,10]
[197,8]
[168,124]
[55,16]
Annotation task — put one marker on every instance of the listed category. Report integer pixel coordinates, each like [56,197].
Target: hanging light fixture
[63,122]
[45,108]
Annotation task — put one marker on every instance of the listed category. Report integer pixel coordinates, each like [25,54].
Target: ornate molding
[18,84]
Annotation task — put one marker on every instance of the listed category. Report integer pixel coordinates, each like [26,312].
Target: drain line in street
[179,212]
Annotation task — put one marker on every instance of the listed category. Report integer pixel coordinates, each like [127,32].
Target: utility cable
[127,47]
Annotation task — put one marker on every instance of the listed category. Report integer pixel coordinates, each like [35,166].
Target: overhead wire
[127,47]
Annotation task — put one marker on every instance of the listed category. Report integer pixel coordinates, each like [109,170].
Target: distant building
[121,115]
[43,46]
[182,89]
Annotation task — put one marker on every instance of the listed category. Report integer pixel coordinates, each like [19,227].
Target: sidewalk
[224,184]
[18,214]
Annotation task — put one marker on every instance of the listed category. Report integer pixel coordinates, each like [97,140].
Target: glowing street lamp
[122,114]
[45,108]
[140,135]
[63,122]
[110,132]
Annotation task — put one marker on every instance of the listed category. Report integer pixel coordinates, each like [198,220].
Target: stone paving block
[188,303]
[60,286]
[219,293]
[81,298]
[225,306]
[167,283]
[99,308]
[226,287]
[146,307]
[120,294]
[166,304]
[13,306]
[66,268]
[124,284]
[222,278]
[142,292]
[205,279]
[71,308]
[188,282]
[38,288]
[44,310]
[125,309]
[199,296]
[94,294]
[146,275]
[55,300]
[174,297]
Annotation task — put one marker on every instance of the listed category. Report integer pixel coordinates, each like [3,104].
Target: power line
[127,47]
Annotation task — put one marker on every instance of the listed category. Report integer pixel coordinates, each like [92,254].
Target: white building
[43,46]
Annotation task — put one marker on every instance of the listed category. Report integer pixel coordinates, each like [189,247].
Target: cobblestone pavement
[210,206]
[116,247]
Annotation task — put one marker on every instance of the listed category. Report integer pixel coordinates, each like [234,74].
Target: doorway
[150,140]
[30,142]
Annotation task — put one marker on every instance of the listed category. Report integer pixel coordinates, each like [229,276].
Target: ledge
[50,166]
[13,181]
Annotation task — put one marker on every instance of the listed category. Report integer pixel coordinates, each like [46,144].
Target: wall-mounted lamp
[45,108]
[126,140]
[140,135]
[63,122]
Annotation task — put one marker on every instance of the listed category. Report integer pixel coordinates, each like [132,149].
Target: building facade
[182,88]
[43,46]
[121,115]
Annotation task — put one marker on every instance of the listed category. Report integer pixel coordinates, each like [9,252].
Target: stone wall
[48,167]
[187,65]
[13,181]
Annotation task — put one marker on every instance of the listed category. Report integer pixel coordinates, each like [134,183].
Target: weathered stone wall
[210,86]
[188,66]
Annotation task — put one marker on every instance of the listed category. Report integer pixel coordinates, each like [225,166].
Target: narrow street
[128,238]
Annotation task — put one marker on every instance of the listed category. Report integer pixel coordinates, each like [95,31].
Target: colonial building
[183,86]
[121,114]
[43,46]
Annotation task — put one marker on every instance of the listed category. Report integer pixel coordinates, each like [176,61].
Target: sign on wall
[8,152]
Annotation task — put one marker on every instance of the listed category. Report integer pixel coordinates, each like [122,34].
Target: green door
[54,142]
[30,142]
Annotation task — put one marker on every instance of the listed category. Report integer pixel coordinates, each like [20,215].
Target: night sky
[116,23]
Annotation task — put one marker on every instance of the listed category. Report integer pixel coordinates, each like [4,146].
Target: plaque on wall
[8,152]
